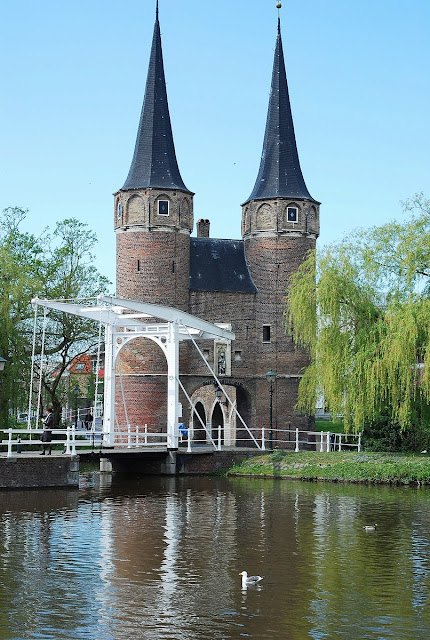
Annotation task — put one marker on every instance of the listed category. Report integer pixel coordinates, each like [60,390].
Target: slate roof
[219,265]
[280,175]
[154,161]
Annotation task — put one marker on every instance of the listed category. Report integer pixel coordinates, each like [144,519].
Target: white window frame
[296,209]
[165,215]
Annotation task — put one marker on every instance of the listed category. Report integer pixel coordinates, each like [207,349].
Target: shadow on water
[159,558]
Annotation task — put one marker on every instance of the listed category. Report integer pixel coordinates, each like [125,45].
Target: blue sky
[73,79]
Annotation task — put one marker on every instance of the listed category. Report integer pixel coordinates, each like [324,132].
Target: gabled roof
[280,175]
[154,161]
[219,265]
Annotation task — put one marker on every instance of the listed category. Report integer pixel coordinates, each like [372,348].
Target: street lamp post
[271,377]
[76,394]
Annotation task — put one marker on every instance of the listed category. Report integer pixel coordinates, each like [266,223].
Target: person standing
[88,420]
[48,423]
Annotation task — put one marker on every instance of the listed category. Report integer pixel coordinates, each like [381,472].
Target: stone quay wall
[34,472]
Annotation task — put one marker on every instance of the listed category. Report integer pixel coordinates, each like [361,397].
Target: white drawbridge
[125,320]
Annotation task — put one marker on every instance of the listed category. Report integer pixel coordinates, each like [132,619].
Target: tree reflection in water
[158,558]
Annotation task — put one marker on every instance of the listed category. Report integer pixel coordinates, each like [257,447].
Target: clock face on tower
[292,214]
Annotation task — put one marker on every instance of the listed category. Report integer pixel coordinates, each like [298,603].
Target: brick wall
[34,472]
[153,267]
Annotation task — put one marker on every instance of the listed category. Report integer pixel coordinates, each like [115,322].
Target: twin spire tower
[238,282]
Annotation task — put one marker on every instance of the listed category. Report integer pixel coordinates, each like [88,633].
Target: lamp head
[271,377]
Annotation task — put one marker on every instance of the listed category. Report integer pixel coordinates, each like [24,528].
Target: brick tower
[280,224]
[153,219]
[154,208]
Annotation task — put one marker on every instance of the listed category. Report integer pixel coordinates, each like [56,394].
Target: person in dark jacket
[48,423]
[88,420]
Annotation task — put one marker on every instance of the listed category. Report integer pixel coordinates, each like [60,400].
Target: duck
[370,527]
[249,580]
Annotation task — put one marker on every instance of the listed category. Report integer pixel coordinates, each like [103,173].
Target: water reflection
[159,558]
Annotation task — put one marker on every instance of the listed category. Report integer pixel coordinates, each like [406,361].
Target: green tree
[362,308]
[21,258]
[57,265]
[69,274]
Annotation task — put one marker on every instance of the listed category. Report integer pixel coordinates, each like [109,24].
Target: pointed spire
[154,161]
[280,175]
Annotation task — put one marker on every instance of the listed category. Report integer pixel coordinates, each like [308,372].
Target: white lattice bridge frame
[125,320]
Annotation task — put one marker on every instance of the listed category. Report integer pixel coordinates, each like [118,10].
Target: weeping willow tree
[362,308]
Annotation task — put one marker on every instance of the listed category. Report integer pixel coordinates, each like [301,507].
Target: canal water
[151,558]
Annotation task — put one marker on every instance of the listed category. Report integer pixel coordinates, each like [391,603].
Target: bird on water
[248,581]
[370,527]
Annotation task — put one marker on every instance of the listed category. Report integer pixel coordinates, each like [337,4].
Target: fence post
[68,441]
[321,441]
[9,444]
[359,442]
[263,442]
[189,439]
[340,442]
[137,435]
[73,441]
[128,436]
[297,440]
[146,434]
[219,437]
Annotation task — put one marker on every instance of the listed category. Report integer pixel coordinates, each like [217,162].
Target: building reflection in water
[159,558]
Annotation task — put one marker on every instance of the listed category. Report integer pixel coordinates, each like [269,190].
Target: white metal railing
[133,437]
[221,437]
[78,415]
[138,437]
[296,439]
[69,444]
[320,440]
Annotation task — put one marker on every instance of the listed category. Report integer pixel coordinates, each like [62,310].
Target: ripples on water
[159,558]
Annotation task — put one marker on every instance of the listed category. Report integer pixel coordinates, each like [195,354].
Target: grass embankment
[339,466]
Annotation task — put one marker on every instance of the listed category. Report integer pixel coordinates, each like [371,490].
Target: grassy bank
[339,466]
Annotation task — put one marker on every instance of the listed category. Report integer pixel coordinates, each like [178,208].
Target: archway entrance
[218,424]
[199,434]
[244,407]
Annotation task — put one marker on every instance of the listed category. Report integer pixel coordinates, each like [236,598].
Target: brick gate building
[238,282]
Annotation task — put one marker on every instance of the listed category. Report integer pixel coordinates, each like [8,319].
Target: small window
[266,333]
[80,366]
[292,214]
[119,210]
[163,207]
[138,265]
[206,353]
[238,356]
